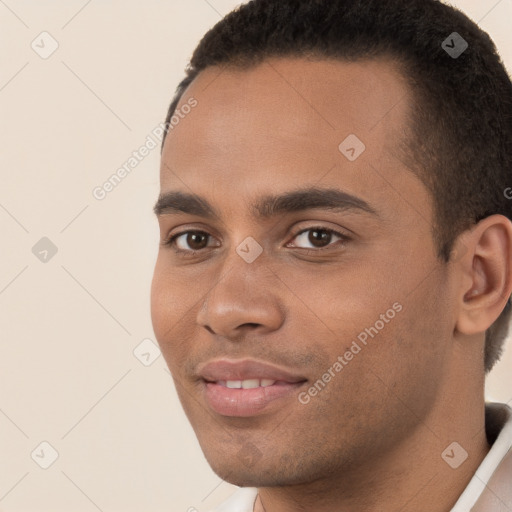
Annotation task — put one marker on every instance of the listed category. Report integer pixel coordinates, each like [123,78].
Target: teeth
[247,384]
[250,383]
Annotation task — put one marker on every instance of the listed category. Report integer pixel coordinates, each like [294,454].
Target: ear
[486,273]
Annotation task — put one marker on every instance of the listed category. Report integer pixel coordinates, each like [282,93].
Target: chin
[235,478]
[238,466]
[241,476]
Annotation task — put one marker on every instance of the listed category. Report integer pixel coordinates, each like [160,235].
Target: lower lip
[247,402]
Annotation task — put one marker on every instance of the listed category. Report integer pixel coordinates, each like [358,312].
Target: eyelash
[171,241]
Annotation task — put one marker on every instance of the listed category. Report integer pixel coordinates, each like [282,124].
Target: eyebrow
[267,206]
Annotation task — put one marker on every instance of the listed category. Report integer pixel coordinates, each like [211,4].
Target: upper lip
[225,369]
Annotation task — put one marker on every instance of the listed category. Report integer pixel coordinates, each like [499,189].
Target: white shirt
[498,419]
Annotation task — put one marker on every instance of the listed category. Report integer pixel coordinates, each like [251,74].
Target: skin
[372,439]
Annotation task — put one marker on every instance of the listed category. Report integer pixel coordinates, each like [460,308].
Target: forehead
[282,122]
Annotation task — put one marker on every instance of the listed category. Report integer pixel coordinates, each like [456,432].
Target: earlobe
[486,284]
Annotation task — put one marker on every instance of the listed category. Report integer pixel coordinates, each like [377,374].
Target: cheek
[171,295]
[343,302]
[169,307]
[384,325]
[410,358]
[160,310]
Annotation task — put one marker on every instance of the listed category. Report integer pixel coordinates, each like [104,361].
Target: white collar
[498,417]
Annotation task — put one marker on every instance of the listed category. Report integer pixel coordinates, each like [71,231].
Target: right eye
[193,238]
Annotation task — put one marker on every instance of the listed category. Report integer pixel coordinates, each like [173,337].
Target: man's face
[303,286]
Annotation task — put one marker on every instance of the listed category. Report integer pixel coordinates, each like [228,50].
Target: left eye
[319,237]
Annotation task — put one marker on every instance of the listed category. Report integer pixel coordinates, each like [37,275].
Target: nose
[241,301]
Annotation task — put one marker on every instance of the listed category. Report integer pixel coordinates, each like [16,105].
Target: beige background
[68,374]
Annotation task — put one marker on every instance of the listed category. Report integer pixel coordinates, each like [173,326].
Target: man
[335,270]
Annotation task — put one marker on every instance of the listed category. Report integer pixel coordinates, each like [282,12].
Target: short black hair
[460,133]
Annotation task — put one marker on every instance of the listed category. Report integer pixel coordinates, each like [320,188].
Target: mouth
[247,383]
[247,388]
[249,397]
